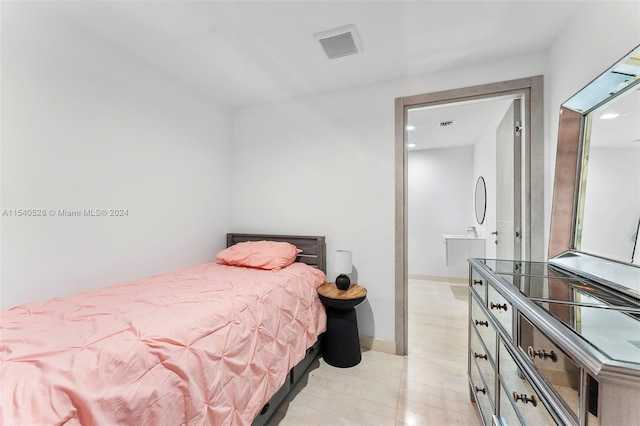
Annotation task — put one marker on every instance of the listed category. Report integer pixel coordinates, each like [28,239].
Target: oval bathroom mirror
[481,200]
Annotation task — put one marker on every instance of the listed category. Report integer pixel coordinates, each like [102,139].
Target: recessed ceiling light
[412,145]
[411,127]
[609,115]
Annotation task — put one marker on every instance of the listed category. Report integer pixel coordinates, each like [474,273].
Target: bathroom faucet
[472,231]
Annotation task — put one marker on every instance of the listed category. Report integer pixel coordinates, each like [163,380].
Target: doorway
[450,147]
[532,176]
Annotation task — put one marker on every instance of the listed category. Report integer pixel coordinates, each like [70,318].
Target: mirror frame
[572,138]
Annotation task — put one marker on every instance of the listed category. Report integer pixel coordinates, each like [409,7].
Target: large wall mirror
[596,201]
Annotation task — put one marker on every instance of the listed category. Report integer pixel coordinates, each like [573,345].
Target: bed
[211,344]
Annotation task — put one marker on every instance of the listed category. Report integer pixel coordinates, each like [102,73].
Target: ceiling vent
[449,123]
[341,41]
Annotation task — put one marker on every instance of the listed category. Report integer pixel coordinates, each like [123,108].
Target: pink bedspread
[204,345]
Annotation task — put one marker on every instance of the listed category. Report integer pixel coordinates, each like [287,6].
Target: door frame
[531,90]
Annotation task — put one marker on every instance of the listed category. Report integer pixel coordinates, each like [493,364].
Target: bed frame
[314,254]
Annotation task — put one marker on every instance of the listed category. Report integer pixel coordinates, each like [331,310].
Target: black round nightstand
[341,342]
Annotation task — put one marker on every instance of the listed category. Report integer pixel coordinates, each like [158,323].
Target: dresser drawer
[481,395]
[479,284]
[501,310]
[506,412]
[552,363]
[519,392]
[485,364]
[485,328]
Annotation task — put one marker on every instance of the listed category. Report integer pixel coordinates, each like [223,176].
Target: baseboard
[367,342]
[455,280]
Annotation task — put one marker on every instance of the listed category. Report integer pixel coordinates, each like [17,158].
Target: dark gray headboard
[314,251]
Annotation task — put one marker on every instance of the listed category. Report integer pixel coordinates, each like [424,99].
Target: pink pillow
[260,254]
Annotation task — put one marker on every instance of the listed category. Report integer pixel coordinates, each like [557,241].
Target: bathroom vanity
[459,248]
[558,342]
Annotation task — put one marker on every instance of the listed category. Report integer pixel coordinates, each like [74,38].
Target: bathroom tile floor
[427,387]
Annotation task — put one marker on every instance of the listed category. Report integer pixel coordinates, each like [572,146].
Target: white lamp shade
[342,263]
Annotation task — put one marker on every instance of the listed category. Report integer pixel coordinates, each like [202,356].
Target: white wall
[325,165]
[86,125]
[308,167]
[597,37]
[440,201]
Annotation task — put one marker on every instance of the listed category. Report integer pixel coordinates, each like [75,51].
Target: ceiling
[471,121]
[244,53]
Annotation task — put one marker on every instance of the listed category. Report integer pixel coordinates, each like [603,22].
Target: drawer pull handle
[542,354]
[498,306]
[522,397]
[477,282]
[485,323]
[481,356]
[483,390]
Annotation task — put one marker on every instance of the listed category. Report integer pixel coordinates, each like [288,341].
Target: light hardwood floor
[427,387]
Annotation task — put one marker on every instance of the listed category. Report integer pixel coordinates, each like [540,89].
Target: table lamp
[342,265]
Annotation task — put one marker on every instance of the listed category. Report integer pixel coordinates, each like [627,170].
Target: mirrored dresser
[547,346]
[558,342]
